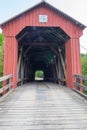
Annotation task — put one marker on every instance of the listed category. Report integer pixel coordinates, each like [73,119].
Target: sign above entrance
[43,18]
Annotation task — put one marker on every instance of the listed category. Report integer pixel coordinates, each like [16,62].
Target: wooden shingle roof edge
[43,3]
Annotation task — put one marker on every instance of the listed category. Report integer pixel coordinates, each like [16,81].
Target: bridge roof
[43,3]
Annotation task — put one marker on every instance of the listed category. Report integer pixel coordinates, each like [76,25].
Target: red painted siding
[10,58]
[32,19]
[73,64]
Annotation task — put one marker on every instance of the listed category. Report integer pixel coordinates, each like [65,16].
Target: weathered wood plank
[43,106]
[6,85]
[5,77]
[80,77]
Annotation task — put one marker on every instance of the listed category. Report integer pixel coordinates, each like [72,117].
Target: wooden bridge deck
[43,106]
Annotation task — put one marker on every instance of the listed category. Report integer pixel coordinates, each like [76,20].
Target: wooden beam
[19,62]
[62,62]
[56,69]
[27,50]
[56,53]
[6,77]
[22,36]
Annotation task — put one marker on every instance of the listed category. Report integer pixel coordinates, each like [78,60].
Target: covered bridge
[42,38]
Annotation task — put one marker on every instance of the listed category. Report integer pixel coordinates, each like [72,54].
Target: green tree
[1,39]
[84,66]
[1,53]
[39,74]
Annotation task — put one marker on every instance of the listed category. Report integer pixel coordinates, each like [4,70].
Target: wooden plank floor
[43,106]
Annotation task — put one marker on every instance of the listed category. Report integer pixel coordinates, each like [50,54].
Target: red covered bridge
[42,38]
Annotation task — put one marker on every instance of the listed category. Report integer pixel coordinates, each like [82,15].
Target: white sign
[43,18]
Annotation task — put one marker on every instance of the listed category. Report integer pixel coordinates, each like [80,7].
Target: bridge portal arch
[42,48]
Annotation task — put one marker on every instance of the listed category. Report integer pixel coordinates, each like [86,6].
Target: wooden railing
[79,86]
[5,84]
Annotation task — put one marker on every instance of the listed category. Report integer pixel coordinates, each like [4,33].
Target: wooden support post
[22,71]
[19,62]
[27,50]
[53,72]
[56,68]
[62,62]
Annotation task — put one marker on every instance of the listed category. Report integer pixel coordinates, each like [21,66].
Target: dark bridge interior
[42,48]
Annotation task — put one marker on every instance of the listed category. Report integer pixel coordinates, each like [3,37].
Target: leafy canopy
[84,67]
[1,53]
[1,39]
[84,64]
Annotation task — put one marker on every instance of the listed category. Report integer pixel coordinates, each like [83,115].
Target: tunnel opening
[39,75]
[42,48]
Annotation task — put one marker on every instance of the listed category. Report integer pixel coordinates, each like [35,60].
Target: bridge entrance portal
[42,48]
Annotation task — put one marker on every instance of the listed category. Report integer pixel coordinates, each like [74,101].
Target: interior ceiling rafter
[40,44]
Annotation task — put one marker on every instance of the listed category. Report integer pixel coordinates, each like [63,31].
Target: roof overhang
[41,4]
